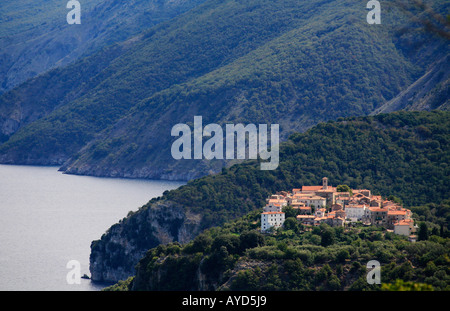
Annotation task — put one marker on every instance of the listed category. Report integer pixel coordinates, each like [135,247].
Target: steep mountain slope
[295,63]
[109,22]
[404,154]
[35,37]
[169,54]
[431,91]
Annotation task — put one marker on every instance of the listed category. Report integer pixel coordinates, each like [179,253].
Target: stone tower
[325,183]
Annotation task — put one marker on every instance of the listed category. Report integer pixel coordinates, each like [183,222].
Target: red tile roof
[311,188]
[405,222]
[397,212]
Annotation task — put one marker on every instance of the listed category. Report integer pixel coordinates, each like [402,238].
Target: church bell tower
[324,183]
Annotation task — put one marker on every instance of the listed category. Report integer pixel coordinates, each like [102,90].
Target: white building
[271,219]
[355,212]
[320,212]
[275,204]
[404,227]
[272,208]
[311,200]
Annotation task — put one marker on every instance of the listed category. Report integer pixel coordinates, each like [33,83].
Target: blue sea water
[48,219]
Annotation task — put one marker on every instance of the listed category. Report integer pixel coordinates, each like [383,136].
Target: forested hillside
[237,256]
[405,154]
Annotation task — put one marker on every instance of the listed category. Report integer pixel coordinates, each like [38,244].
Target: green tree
[342,255]
[400,285]
[395,199]
[328,236]
[334,283]
[231,243]
[344,188]
[289,211]
[291,224]
[201,243]
[423,232]
[251,239]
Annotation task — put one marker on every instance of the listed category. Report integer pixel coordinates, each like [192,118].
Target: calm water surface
[48,218]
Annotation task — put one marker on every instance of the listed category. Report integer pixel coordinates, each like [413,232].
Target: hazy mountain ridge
[51,42]
[309,62]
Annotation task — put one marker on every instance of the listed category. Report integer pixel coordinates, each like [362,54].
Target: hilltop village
[331,205]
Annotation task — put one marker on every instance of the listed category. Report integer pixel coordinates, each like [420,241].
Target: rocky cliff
[115,255]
